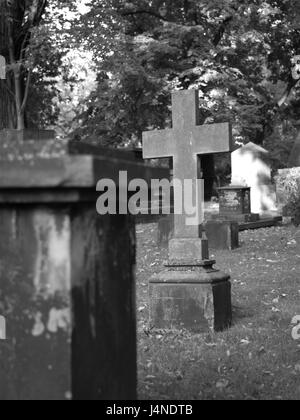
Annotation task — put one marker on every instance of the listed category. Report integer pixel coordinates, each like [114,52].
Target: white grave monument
[251,168]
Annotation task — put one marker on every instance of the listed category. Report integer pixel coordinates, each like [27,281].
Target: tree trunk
[7,100]
[11,89]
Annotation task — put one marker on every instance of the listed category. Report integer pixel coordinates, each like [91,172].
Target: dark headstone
[234,200]
[222,234]
[235,204]
[67,288]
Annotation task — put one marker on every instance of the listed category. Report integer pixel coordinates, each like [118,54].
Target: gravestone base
[193,297]
[222,234]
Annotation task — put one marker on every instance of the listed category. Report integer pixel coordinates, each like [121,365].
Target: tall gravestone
[189,293]
[251,168]
[67,290]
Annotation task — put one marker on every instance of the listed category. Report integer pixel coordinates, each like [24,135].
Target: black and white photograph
[150,203]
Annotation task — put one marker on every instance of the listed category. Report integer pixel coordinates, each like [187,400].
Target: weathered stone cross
[184,143]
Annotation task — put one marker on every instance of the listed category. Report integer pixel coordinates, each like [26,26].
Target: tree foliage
[237,52]
[31,42]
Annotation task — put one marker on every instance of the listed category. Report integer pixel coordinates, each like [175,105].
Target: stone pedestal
[194,296]
[190,293]
[67,289]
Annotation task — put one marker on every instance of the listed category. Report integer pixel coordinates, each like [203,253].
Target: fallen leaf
[222,384]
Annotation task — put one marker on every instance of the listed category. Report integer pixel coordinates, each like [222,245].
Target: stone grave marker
[189,293]
[235,204]
[251,168]
[67,287]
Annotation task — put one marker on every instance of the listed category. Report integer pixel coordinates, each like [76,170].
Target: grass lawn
[257,358]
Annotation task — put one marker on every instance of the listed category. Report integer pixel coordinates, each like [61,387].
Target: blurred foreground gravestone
[189,293]
[67,289]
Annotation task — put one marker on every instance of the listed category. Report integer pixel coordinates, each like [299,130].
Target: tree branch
[36,12]
[219,35]
[292,84]
[26,93]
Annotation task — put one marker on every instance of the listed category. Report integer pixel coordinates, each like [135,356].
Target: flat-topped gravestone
[189,293]
[67,289]
[251,168]
[234,200]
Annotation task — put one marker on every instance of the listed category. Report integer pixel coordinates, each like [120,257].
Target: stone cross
[184,143]
[189,292]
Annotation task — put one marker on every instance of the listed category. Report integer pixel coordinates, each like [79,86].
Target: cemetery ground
[257,358]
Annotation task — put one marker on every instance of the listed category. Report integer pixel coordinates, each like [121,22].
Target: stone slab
[67,171]
[261,224]
[239,218]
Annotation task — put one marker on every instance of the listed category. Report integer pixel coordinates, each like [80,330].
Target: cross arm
[213,138]
[158,144]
